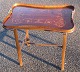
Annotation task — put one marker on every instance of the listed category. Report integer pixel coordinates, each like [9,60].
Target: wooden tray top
[53,18]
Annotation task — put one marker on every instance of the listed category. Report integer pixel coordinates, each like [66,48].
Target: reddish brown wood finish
[53,18]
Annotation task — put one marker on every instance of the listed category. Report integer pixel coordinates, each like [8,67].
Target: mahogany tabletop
[41,18]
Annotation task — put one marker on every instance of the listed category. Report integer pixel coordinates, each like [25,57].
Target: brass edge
[40,6]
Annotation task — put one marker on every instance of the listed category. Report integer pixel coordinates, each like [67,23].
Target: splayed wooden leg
[18,47]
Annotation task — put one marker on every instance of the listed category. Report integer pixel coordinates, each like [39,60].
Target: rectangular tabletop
[54,19]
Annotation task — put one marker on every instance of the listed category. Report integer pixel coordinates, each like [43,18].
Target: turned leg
[18,47]
[63,50]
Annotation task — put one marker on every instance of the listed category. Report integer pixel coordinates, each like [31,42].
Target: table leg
[63,50]
[18,47]
[27,38]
